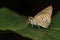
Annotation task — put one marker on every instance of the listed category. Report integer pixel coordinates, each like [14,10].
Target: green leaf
[12,21]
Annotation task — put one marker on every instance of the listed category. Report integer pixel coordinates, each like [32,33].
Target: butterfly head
[30,19]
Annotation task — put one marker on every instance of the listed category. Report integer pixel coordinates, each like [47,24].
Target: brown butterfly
[43,18]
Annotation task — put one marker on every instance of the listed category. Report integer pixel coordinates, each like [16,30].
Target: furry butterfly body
[43,18]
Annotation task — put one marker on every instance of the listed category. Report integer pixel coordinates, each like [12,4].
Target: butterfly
[43,18]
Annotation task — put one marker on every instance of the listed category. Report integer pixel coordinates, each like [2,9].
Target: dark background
[26,8]
[30,7]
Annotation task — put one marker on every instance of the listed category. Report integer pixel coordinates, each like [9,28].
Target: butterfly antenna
[28,21]
[26,24]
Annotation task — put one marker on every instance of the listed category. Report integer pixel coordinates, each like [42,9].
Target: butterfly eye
[30,18]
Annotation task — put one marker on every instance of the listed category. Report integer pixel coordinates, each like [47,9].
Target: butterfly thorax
[32,21]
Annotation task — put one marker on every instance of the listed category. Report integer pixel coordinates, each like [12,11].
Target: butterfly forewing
[47,10]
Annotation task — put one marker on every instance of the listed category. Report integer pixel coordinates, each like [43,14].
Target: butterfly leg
[39,27]
[32,25]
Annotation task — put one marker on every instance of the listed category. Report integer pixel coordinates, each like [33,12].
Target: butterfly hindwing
[43,18]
